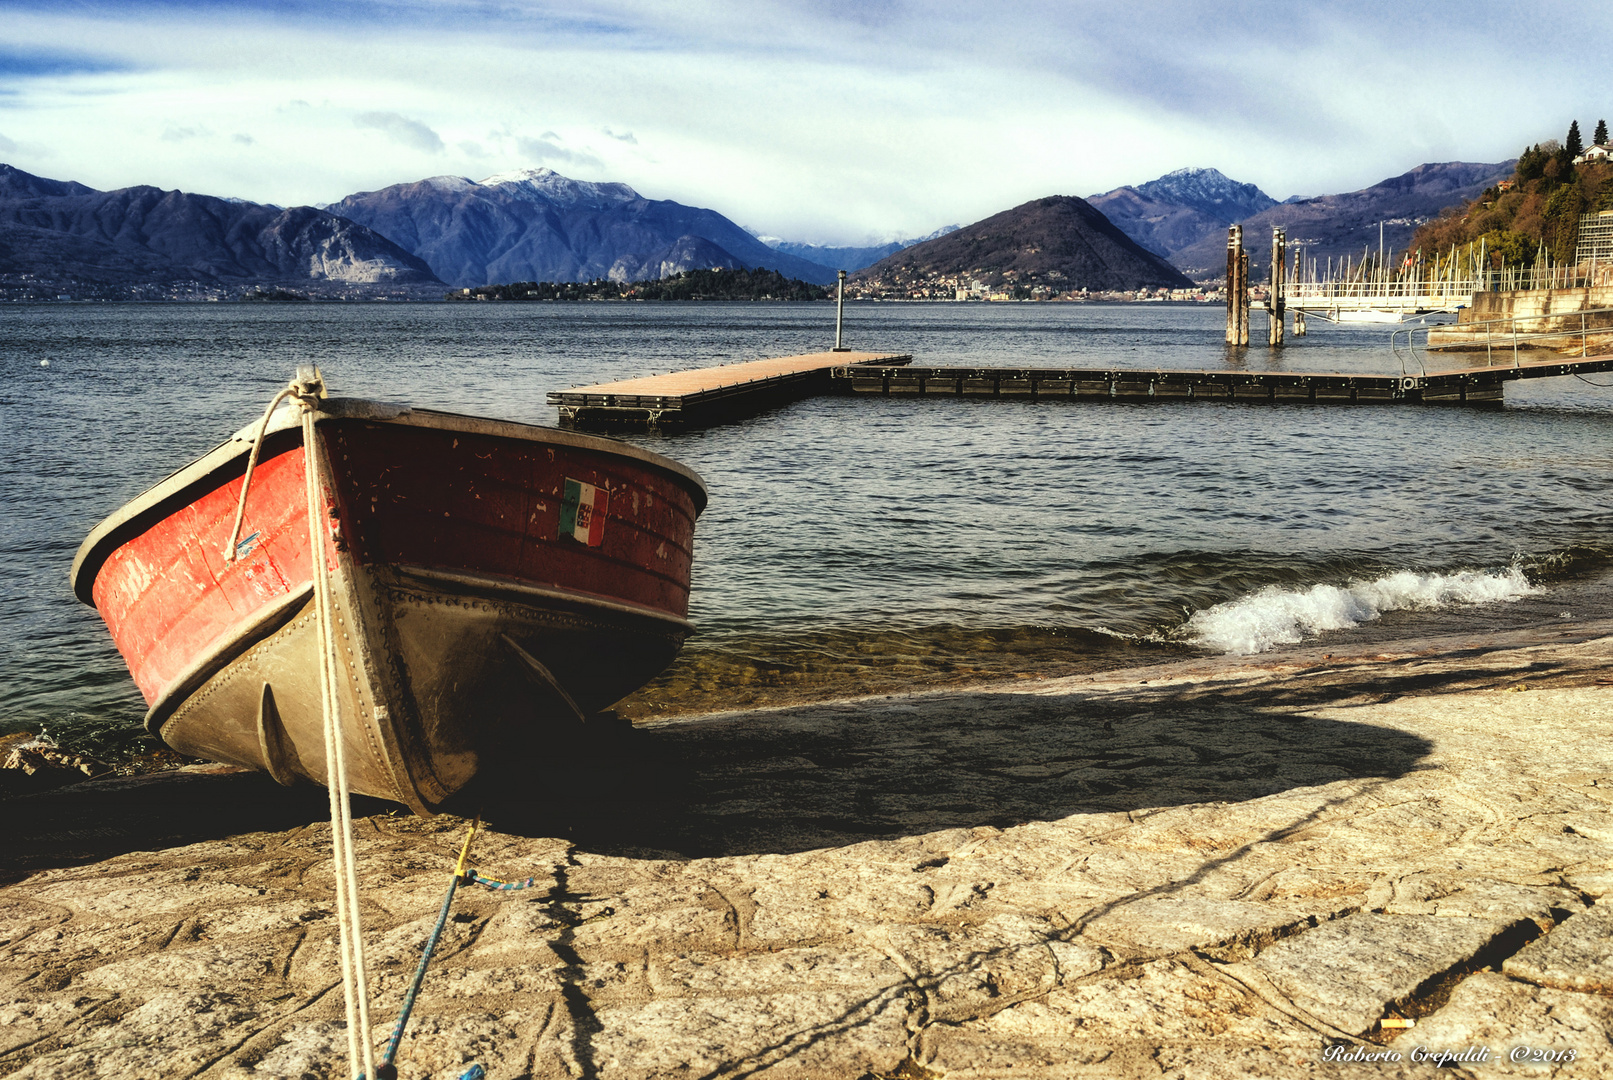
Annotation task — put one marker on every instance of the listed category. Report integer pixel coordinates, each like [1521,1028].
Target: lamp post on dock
[1296,277]
[1275,301]
[840,314]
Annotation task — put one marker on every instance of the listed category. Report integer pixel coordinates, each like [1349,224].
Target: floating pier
[718,395]
[724,394]
[713,395]
[1465,385]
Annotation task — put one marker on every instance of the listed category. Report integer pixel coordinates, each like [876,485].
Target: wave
[1284,616]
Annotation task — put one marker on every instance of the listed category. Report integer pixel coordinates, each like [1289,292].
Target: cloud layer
[403,131]
[829,123]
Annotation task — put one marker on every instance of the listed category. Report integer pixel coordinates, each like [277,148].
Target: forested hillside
[1539,206]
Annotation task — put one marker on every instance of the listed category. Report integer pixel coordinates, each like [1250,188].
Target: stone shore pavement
[1206,869]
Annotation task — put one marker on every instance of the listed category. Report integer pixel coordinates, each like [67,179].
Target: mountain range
[143,236]
[1333,226]
[1180,208]
[536,225]
[849,258]
[531,225]
[1060,242]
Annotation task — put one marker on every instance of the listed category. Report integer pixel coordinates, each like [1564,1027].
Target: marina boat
[485,582]
[1372,315]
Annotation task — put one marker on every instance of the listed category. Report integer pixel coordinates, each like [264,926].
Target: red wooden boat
[487,580]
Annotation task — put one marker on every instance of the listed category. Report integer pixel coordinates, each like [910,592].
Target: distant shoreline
[201,301]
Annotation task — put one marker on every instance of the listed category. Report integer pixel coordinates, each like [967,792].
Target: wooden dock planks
[710,395]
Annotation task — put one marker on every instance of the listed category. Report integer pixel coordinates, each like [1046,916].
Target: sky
[816,122]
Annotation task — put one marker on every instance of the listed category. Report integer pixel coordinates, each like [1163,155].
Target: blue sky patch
[18,63]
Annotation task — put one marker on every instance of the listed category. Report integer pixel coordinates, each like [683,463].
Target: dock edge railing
[1505,337]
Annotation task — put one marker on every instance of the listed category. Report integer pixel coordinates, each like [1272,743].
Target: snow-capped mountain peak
[521,176]
[1209,191]
[547,184]
[449,183]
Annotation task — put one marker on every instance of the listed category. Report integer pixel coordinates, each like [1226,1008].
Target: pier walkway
[1511,348]
[1357,301]
[1460,385]
[710,395]
[720,395]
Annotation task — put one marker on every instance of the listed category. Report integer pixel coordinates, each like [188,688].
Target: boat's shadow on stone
[787,780]
[830,775]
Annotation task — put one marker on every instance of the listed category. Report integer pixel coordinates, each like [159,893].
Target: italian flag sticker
[582,512]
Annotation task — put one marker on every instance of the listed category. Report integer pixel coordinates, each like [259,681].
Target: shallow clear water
[852,543]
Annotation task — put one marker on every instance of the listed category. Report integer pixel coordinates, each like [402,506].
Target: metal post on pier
[1243,300]
[840,314]
[1237,288]
[1275,304]
[1299,275]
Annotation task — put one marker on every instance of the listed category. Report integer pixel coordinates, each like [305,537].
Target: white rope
[355,982]
[252,463]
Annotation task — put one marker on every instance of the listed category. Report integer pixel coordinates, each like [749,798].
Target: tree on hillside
[1561,230]
[1574,144]
[1600,139]
[1508,248]
[1532,163]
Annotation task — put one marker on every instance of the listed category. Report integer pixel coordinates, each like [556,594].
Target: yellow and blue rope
[386,1070]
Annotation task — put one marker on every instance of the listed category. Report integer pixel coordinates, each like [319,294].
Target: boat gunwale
[229,459]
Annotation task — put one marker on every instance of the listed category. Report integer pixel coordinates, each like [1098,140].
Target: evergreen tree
[1562,222]
[1600,138]
[1532,163]
[1573,144]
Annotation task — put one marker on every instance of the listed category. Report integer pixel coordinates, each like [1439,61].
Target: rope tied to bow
[308,390]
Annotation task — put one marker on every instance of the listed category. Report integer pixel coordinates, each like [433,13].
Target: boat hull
[1370,316]
[478,605]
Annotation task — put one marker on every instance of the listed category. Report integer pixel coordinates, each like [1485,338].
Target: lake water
[855,544]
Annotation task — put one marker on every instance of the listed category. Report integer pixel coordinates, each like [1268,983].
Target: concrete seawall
[1558,305]
[1536,311]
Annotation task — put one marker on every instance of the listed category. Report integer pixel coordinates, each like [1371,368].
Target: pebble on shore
[1206,869]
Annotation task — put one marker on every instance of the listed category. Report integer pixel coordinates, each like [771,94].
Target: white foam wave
[1280,616]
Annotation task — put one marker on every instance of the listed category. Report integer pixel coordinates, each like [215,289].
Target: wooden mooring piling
[1276,290]
[1237,288]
